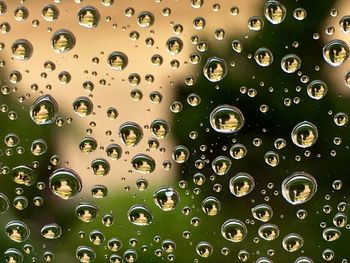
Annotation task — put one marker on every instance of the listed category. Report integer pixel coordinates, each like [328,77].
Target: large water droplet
[292,242]
[23,174]
[51,231]
[140,215]
[166,198]
[211,206]
[215,69]
[263,57]
[50,12]
[204,249]
[317,89]
[65,183]
[180,154]
[331,234]
[62,41]
[241,184]
[304,134]
[83,106]
[299,188]
[22,49]
[274,12]
[262,212]
[336,52]
[174,45]
[290,63]
[86,212]
[221,165]
[226,119]
[160,128]
[12,255]
[85,254]
[269,232]
[100,167]
[44,110]
[131,133]
[143,163]
[145,19]
[17,231]
[88,17]
[234,230]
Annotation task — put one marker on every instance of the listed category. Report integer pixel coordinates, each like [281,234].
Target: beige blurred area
[113,35]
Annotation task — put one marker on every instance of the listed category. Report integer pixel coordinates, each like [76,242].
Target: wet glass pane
[186,131]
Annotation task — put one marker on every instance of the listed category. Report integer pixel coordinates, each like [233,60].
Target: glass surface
[186,131]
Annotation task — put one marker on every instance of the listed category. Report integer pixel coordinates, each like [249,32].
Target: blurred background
[156,80]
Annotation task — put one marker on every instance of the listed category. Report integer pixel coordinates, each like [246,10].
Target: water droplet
[131,133]
[166,198]
[17,231]
[336,52]
[290,63]
[99,191]
[88,145]
[38,147]
[4,203]
[331,234]
[274,12]
[86,212]
[85,254]
[114,244]
[114,151]
[255,23]
[340,220]
[12,255]
[83,106]
[25,175]
[174,45]
[100,167]
[264,260]
[180,154]
[50,13]
[197,3]
[263,57]
[168,246]
[140,215]
[317,89]
[272,158]
[145,19]
[262,212]
[51,231]
[89,17]
[3,7]
[62,41]
[215,69]
[160,128]
[234,230]
[299,13]
[226,119]
[243,255]
[204,249]
[269,232]
[304,134]
[143,163]
[238,151]
[241,184]
[341,119]
[211,206]
[344,24]
[44,110]
[237,46]
[65,183]
[130,256]
[20,202]
[280,143]
[292,242]
[221,165]
[299,188]
[22,49]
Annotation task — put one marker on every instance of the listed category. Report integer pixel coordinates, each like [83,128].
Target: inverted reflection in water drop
[299,188]
[65,183]
[234,230]
[140,215]
[143,163]
[241,184]
[17,231]
[44,110]
[226,119]
[304,134]
[274,12]
[166,198]
[292,242]
[336,52]
[215,69]
[62,41]
[88,17]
